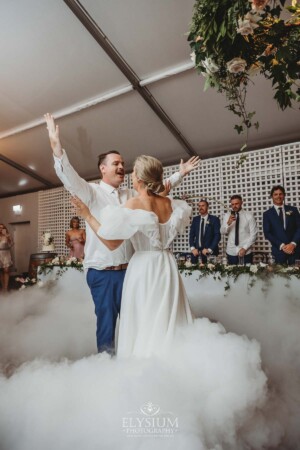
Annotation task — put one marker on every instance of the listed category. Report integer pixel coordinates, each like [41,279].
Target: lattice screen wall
[217,180]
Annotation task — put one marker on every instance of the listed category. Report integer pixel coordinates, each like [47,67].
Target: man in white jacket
[105,269]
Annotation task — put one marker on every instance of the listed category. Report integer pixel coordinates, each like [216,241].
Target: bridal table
[249,306]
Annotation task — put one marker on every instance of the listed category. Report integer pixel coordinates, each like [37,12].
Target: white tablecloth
[241,309]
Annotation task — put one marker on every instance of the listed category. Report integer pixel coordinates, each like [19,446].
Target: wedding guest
[281,225]
[105,269]
[75,239]
[204,234]
[5,256]
[240,226]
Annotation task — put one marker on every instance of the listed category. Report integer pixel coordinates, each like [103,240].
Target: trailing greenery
[255,271]
[63,265]
[233,40]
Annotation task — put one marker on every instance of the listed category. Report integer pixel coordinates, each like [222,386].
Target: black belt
[119,267]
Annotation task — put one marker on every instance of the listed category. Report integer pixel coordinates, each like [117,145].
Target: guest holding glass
[75,239]
[204,234]
[5,256]
[241,228]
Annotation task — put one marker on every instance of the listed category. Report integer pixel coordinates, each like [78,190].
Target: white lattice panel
[52,207]
[253,181]
[216,180]
[291,172]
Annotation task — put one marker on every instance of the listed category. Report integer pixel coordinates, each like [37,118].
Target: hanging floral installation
[233,40]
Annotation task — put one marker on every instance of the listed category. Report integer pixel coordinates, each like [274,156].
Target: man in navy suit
[204,234]
[281,225]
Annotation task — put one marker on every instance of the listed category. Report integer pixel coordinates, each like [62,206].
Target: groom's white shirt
[97,196]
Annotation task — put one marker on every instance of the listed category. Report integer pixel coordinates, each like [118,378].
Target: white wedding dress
[154,302]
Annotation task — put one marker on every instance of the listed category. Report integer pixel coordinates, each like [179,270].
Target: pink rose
[259,4]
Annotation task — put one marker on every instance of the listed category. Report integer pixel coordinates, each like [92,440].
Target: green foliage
[63,264]
[224,30]
[231,273]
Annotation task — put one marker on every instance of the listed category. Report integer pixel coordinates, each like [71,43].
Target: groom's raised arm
[65,172]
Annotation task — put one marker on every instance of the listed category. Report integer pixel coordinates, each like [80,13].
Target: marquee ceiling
[116,74]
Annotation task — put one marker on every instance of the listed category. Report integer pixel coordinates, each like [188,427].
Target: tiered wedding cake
[48,245]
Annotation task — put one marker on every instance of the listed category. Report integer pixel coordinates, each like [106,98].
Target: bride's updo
[150,171]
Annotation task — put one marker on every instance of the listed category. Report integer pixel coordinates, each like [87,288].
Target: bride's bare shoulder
[133,203]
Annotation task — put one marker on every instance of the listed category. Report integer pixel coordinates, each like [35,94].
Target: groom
[105,268]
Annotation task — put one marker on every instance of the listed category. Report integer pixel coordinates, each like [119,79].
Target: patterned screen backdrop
[216,180]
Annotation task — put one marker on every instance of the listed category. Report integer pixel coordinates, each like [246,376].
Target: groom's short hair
[102,158]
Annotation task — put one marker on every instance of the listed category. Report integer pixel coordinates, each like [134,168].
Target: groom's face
[112,170]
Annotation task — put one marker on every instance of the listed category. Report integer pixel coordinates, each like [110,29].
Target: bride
[154,302]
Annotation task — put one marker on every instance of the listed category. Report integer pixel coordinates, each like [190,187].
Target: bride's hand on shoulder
[81,208]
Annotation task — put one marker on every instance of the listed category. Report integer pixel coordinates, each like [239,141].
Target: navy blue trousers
[283,258]
[106,289]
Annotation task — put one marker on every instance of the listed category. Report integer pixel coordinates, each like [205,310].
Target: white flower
[22,287]
[248,23]
[40,284]
[210,66]
[288,213]
[193,57]
[245,27]
[263,264]
[254,16]
[210,266]
[73,259]
[33,280]
[253,268]
[236,65]
[68,262]
[55,260]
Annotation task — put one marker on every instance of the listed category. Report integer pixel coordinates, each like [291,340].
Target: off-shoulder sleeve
[180,219]
[118,222]
[181,215]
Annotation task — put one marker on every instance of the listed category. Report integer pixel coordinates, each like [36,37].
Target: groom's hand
[53,132]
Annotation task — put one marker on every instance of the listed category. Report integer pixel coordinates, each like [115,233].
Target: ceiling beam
[87,21]
[75,108]
[25,170]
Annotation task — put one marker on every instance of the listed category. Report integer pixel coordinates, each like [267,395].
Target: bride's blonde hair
[150,171]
